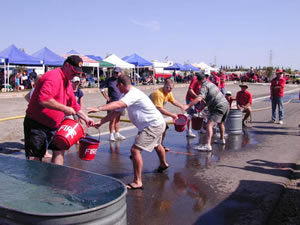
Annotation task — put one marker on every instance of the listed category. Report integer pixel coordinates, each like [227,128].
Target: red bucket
[180,123]
[197,123]
[69,132]
[88,148]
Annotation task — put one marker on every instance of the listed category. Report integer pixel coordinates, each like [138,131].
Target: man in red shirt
[276,95]
[52,100]
[191,94]
[244,101]
[216,79]
[222,82]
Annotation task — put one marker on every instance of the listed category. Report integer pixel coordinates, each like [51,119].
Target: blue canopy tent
[14,56]
[177,66]
[49,58]
[138,61]
[191,67]
[73,52]
[126,57]
[94,57]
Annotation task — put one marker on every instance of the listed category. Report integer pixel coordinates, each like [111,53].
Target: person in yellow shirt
[160,97]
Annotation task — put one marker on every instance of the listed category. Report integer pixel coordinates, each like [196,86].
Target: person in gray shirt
[218,108]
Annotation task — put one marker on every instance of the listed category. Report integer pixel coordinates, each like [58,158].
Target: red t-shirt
[216,81]
[277,83]
[243,98]
[195,86]
[52,85]
[222,81]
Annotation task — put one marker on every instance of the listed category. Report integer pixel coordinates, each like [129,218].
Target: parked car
[295,78]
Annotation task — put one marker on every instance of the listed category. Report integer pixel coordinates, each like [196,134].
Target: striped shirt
[212,95]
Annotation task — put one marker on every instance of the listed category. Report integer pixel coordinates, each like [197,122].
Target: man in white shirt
[149,121]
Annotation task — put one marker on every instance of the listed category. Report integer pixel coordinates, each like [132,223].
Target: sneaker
[111,137]
[119,137]
[280,122]
[190,134]
[204,148]
[220,141]
[272,121]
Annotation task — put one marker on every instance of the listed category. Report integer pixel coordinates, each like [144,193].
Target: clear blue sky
[232,32]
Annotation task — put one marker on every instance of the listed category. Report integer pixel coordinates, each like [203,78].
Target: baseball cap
[117,69]
[76,62]
[279,71]
[214,73]
[228,93]
[200,77]
[75,79]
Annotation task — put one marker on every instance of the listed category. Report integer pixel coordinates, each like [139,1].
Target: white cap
[228,93]
[75,79]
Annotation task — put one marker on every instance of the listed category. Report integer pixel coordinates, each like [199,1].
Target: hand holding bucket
[69,132]
[180,123]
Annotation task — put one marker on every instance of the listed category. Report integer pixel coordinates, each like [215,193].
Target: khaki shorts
[219,113]
[150,137]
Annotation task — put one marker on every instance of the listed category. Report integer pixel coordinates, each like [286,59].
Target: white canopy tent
[118,62]
[205,67]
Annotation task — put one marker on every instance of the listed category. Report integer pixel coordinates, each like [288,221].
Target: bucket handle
[98,132]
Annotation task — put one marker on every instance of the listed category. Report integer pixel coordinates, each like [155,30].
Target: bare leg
[163,137]
[48,154]
[111,126]
[161,155]
[209,131]
[117,124]
[137,161]
[189,124]
[247,111]
[58,157]
[222,129]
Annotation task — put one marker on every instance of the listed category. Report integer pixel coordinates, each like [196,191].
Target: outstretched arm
[107,107]
[178,104]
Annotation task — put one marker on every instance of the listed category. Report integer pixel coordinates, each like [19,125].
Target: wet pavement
[239,183]
[184,192]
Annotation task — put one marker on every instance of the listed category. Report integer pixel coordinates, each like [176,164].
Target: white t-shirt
[141,110]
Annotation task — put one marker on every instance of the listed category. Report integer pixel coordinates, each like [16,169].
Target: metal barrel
[46,194]
[233,124]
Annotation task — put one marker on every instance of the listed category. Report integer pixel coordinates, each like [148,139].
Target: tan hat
[243,85]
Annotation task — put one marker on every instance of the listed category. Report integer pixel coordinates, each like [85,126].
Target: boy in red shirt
[244,101]
[191,94]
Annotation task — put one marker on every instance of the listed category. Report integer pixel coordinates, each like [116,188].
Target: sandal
[130,187]
[167,149]
[160,169]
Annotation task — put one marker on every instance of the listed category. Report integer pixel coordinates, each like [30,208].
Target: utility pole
[270,59]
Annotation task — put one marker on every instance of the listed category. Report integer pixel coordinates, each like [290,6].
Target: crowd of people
[57,95]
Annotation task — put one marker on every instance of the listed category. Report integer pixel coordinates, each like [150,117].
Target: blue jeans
[277,101]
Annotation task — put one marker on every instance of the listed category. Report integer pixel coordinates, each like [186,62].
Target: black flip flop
[134,188]
[162,168]
[167,149]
